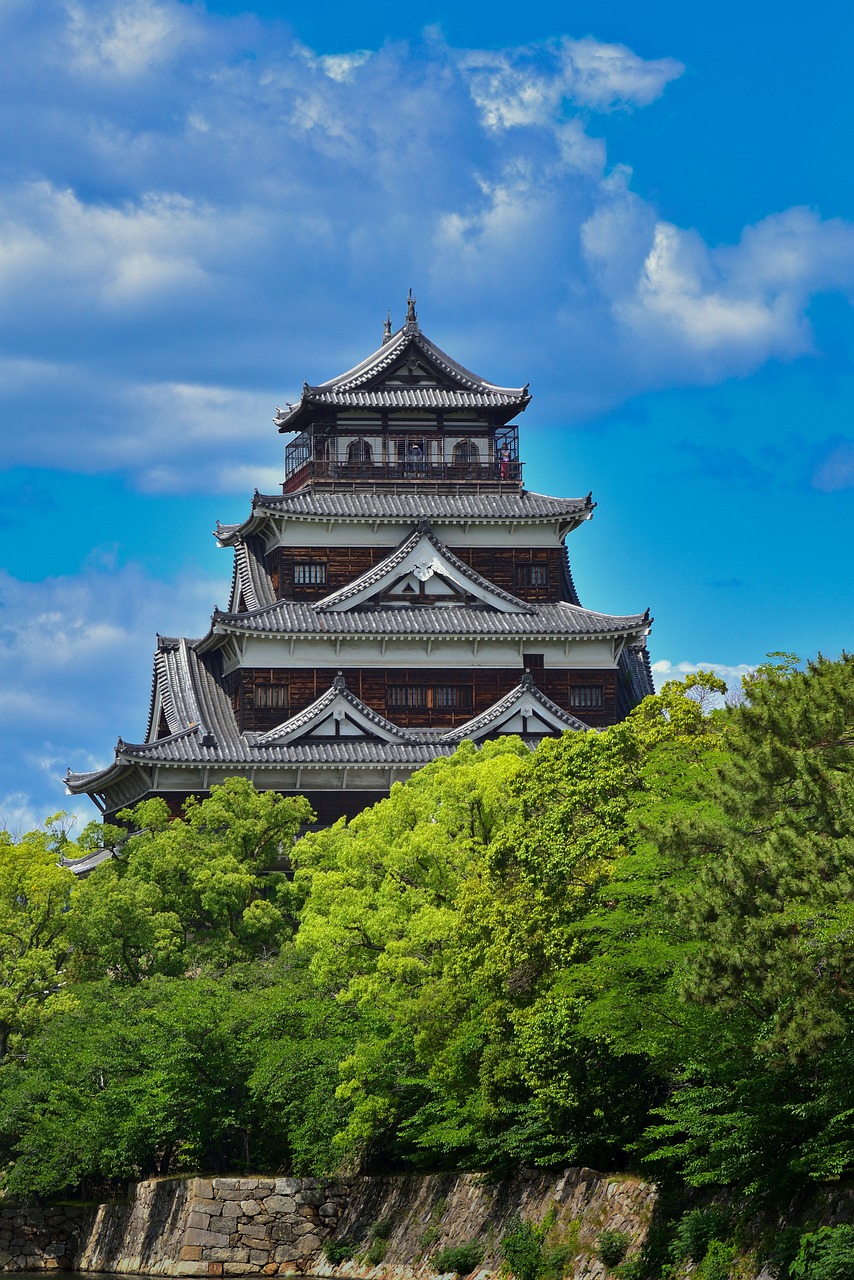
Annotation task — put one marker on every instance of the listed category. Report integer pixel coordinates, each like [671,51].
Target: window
[533,660]
[419,697]
[359,451]
[406,696]
[532,575]
[466,451]
[309,573]
[271,696]
[585,695]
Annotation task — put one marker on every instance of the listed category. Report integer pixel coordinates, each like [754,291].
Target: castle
[403,592]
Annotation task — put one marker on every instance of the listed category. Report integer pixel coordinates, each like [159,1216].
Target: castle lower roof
[410,506]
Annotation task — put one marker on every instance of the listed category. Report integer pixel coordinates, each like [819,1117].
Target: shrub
[376,1251]
[382,1230]
[718,1261]
[338,1251]
[631,1269]
[826,1254]
[522,1250]
[695,1231]
[462,1259]
[612,1247]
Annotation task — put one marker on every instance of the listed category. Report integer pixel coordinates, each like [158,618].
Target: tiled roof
[559,620]
[412,505]
[384,568]
[354,388]
[250,579]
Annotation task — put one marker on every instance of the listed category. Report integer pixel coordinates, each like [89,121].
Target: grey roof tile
[560,620]
[414,504]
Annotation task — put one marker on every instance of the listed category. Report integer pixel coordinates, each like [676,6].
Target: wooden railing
[302,471]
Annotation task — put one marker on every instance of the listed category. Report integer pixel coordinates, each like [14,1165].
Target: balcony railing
[299,471]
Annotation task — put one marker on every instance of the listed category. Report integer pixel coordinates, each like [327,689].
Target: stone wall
[278,1226]
[39,1238]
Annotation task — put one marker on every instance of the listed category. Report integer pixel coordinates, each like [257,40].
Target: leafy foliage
[632,946]
[461,1259]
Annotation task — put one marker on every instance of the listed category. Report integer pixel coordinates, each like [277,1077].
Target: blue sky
[644,210]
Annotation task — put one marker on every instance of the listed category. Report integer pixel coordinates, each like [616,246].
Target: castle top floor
[408,415]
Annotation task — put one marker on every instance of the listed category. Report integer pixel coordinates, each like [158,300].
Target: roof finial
[387,329]
[411,316]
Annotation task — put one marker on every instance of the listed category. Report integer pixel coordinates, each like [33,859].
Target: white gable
[336,714]
[425,568]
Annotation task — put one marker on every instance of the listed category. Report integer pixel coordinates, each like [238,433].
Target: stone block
[204,1204]
[287,1186]
[270,1269]
[282,1232]
[233,1253]
[191,1253]
[285,1253]
[231,1209]
[307,1211]
[241,1268]
[203,1188]
[311,1197]
[197,1219]
[191,1268]
[230,1193]
[281,1204]
[215,1268]
[329,1211]
[250,1207]
[253,1230]
[309,1244]
[259,1255]
[195,1235]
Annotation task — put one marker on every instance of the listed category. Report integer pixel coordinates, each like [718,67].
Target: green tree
[34,945]
[204,889]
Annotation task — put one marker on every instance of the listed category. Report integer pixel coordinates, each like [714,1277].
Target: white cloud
[203,212]
[126,39]
[733,674]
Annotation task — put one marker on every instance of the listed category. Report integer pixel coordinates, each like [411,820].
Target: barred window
[406,696]
[585,695]
[419,697]
[271,696]
[309,573]
[532,575]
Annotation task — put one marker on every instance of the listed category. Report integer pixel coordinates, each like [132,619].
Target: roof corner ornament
[411,314]
[387,329]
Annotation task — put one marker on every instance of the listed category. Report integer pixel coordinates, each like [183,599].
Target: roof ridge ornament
[411,315]
[339,683]
[387,329]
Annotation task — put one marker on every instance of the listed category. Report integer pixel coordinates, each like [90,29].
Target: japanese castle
[403,592]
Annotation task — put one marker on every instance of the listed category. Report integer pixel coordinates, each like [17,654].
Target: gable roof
[524,710]
[370,384]
[336,705]
[424,556]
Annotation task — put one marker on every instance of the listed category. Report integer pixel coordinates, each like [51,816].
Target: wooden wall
[508,568]
[482,687]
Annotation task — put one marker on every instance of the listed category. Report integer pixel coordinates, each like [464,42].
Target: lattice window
[585,695]
[419,697]
[272,697]
[309,573]
[532,575]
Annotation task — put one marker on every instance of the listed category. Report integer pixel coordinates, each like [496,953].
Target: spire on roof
[411,315]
